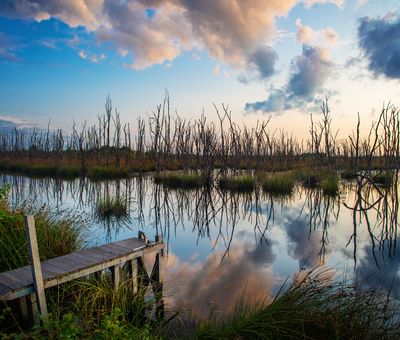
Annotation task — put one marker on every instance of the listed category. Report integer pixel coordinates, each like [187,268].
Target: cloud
[310,3]
[303,245]
[309,72]
[72,12]
[9,122]
[379,40]
[326,37]
[8,49]
[214,285]
[238,33]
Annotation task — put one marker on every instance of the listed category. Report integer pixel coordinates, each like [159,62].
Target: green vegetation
[279,183]
[40,170]
[57,235]
[237,183]
[111,207]
[177,180]
[330,185]
[313,307]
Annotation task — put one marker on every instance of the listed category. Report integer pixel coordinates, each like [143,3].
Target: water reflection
[232,241]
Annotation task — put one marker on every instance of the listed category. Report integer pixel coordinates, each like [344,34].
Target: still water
[225,246]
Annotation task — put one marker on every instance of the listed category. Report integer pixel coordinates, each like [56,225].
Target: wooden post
[132,268]
[158,271]
[36,268]
[116,275]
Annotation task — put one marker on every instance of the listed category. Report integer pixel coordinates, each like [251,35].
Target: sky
[60,59]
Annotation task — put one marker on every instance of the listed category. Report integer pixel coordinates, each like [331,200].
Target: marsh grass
[279,183]
[57,234]
[178,180]
[315,306]
[330,185]
[237,183]
[111,207]
[41,170]
[92,308]
[103,172]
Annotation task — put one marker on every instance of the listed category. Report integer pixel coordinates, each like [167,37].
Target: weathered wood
[36,267]
[157,279]
[116,276]
[63,269]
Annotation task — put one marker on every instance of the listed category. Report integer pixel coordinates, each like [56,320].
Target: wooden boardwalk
[128,254]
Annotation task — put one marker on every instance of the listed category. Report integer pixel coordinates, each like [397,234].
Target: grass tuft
[282,183]
[111,207]
[184,181]
[237,183]
[330,185]
[57,234]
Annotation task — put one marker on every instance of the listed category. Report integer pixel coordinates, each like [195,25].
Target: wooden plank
[57,272]
[17,280]
[4,290]
[36,267]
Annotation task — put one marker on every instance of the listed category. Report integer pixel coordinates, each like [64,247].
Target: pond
[224,246]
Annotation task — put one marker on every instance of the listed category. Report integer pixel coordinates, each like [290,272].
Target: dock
[123,258]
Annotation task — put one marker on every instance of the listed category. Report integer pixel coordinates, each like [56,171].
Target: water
[222,246]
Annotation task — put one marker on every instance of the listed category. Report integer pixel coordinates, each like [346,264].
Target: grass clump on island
[279,183]
[244,183]
[111,207]
[180,180]
[330,185]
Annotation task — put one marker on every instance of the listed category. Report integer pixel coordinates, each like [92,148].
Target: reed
[184,181]
[111,207]
[237,183]
[330,185]
[57,233]
[280,183]
[314,307]
[102,172]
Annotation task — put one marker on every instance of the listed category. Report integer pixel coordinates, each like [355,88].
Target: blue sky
[60,59]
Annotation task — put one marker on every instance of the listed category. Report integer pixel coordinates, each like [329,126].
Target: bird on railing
[142,236]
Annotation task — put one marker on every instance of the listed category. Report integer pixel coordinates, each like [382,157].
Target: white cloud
[310,3]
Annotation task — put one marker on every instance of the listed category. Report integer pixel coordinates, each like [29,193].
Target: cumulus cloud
[303,245]
[379,40]
[326,37]
[73,12]
[238,33]
[309,71]
[214,285]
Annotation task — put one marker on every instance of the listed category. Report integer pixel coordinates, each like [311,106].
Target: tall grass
[237,183]
[330,185]
[111,207]
[177,180]
[281,183]
[315,306]
[57,235]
